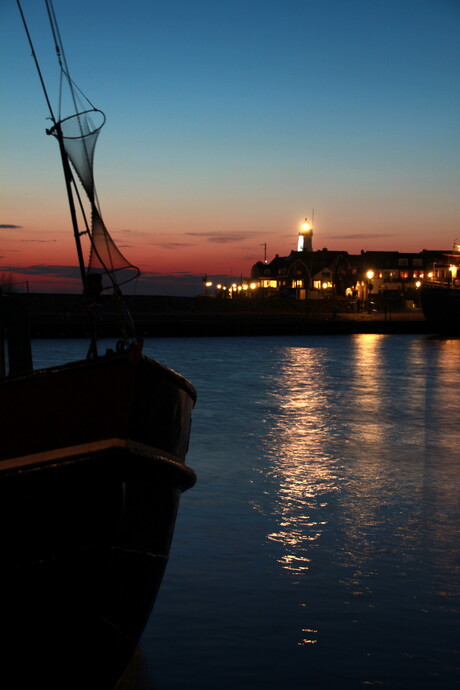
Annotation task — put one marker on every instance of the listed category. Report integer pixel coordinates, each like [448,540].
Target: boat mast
[68,175]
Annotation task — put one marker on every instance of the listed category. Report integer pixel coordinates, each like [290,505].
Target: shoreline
[63,316]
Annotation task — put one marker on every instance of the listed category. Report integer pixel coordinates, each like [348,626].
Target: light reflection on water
[320,546]
[303,470]
[364,451]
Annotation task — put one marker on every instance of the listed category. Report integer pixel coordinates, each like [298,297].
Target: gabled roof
[314,262]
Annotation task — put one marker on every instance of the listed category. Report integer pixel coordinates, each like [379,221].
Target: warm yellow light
[324,286]
[219,286]
[234,286]
[452,269]
[208,284]
[306,226]
[245,287]
[370,275]
[430,274]
[417,284]
[253,286]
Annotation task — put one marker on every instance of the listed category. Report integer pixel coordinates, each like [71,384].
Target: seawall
[55,316]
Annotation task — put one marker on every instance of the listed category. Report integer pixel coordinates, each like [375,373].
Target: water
[320,546]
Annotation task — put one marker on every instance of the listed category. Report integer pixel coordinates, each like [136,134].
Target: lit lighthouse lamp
[304,242]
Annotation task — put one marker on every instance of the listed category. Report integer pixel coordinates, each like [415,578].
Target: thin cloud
[40,241]
[9,226]
[53,271]
[181,275]
[127,231]
[201,234]
[171,245]
[363,236]
[223,239]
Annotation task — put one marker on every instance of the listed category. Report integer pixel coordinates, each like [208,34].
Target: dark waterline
[320,546]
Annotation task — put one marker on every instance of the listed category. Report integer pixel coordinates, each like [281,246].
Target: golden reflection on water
[363,436]
[365,388]
[301,466]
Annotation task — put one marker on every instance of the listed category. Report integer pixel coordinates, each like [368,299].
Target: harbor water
[320,547]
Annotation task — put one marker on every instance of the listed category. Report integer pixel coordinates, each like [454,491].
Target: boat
[92,463]
[440,294]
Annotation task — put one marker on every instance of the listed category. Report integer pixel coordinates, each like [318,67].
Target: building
[308,274]
[304,274]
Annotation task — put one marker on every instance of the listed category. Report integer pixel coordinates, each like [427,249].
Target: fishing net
[79,136]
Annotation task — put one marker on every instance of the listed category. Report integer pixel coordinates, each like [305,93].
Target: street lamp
[370,287]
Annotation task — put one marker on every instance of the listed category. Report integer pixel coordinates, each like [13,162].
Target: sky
[227,124]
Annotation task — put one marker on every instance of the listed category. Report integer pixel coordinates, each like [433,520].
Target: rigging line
[56,37]
[82,208]
[62,60]
[64,158]
[42,81]
[61,56]
[58,49]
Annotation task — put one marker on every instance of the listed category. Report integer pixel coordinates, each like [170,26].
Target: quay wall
[63,315]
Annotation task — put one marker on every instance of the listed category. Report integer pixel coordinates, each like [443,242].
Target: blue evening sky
[228,121]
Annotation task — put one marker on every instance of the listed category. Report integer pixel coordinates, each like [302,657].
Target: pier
[64,316]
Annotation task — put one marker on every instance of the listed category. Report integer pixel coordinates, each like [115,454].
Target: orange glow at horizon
[185,243]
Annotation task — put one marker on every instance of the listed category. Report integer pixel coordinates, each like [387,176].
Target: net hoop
[72,127]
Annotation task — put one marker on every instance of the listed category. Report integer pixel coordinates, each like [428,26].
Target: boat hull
[90,507]
[441,307]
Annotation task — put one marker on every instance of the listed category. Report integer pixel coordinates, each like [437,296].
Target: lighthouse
[304,241]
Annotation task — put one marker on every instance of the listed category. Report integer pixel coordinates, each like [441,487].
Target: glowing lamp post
[206,284]
[370,287]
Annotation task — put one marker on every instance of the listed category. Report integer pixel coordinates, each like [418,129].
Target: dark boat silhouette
[92,465]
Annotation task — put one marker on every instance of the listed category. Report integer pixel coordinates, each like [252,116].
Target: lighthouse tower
[305,239]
